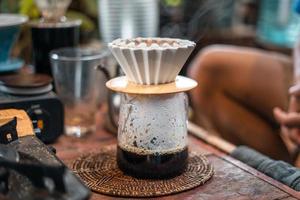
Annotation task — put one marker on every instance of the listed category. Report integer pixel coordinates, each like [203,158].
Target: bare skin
[290,119]
[238,90]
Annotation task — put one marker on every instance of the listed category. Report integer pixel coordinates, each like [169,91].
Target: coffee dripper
[51,32]
[152,131]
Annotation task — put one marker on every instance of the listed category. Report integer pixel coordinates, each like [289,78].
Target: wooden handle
[24,124]
[216,141]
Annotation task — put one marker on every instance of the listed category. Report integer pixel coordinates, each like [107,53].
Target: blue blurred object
[8,36]
[10,65]
[297,6]
[9,29]
[278,24]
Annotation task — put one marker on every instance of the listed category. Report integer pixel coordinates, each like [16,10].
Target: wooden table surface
[232,179]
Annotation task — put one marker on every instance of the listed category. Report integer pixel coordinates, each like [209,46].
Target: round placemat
[100,173]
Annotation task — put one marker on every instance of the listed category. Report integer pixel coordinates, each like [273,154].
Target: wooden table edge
[225,156]
[261,176]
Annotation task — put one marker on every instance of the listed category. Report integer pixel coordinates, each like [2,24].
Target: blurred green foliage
[87,24]
[86,10]
[9,6]
[27,7]
[173,3]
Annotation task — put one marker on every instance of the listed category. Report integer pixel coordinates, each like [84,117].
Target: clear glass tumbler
[78,85]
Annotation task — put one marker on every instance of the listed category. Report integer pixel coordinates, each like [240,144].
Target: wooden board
[24,124]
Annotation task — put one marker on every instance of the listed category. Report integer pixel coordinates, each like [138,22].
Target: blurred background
[238,22]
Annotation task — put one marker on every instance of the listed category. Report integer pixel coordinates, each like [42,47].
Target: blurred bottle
[278,24]
[245,17]
[128,18]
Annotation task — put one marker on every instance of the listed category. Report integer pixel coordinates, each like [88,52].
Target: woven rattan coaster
[100,173]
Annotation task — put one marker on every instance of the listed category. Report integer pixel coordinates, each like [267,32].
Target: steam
[210,15]
[199,16]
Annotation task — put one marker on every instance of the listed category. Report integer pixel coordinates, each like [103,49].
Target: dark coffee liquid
[46,39]
[152,166]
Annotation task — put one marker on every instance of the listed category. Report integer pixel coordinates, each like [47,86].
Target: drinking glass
[78,83]
[128,18]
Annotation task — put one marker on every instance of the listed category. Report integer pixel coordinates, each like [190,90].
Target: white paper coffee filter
[157,63]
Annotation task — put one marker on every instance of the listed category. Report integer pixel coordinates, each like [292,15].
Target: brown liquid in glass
[152,166]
